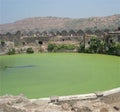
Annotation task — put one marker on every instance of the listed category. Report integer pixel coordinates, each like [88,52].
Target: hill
[57,23]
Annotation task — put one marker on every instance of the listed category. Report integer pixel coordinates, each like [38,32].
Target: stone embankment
[107,101]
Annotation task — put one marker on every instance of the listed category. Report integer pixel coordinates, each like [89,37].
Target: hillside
[57,23]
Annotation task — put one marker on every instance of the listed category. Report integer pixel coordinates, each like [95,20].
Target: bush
[81,48]
[88,50]
[30,50]
[2,43]
[11,51]
[118,49]
[60,47]
[70,47]
[51,47]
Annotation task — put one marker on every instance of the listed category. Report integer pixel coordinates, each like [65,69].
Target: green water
[48,74]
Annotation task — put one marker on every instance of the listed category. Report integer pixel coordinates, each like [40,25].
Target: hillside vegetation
[57,23]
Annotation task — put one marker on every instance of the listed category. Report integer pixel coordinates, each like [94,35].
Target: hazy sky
[12,10]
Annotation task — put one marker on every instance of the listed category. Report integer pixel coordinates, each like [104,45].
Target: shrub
[11,51]
[30,50]
[51,47]
[2,43]
[81,48]
[60,47]
[118,49]
[70,47]
[88,50]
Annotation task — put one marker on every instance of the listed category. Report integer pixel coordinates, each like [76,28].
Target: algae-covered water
[49,74]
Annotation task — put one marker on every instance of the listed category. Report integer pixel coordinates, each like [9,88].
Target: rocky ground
[9,103]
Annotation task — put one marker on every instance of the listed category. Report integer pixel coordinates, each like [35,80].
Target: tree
[118,49]
[81,48]
[60,47]
[95,44]
[11,51]
[102,47]
[51,47]
[2,43]
[30,50]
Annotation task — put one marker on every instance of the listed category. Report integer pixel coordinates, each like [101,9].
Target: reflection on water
[8,62]
[24,66]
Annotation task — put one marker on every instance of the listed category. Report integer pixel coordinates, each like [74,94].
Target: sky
[13,10]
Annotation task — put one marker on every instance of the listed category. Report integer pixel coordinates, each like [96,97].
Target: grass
[58,74]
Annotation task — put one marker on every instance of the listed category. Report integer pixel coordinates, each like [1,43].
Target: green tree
[94,44]
[81,48]
[30,50]
[97,45]
[114,48]
[11,51]
[2,43]
[51,47]
[101,47]
[60,47]
[118,49]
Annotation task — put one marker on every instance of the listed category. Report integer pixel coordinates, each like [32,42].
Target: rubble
[109,103]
